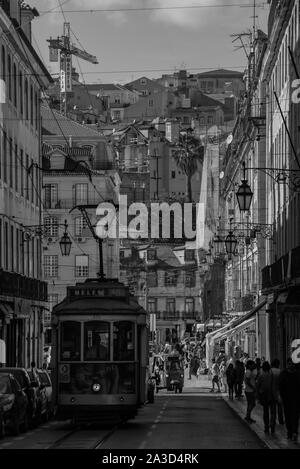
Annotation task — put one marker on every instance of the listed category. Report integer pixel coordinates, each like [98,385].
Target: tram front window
[70,340]
[124,341]
[96,340]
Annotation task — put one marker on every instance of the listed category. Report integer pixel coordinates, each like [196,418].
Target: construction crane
[67,49]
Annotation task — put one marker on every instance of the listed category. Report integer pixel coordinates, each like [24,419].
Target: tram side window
[123,341]
[96,337]
[70,341]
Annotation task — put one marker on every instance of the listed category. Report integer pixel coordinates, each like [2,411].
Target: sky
[132,44]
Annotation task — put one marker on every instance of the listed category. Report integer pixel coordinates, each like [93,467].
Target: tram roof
[94,295]
[107,305]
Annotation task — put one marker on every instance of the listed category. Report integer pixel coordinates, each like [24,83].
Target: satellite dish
[222,174]
[229,139]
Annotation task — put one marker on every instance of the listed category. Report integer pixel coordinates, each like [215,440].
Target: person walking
[289,387]
[264,386]
[215,375]
[278,402]
[223,380]
[239,379]
[250,388]
[230,378]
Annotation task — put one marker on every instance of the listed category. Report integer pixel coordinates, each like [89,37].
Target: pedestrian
[278,402]
[250,388]
[258,366]
[223,381]
[230,377]
[289,386]
[239,379]
[264,386]
[215,374]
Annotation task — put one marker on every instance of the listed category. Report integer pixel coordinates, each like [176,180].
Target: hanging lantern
[244,196]
[65,242]
[230,243]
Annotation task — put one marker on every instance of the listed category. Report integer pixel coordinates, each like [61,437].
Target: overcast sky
[130,44]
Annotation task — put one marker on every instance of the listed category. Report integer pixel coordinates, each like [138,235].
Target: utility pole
[67,49]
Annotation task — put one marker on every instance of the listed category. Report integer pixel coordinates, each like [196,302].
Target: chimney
[15,10]
[27,15]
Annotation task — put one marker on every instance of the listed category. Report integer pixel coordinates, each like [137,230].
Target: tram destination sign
[96,292]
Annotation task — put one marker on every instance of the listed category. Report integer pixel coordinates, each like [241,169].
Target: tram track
[83,437]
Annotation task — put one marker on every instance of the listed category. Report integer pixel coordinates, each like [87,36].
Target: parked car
[21,375]
[45,380]
[13,405]
[40,389]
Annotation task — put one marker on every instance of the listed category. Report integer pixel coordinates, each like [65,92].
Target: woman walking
[250,388]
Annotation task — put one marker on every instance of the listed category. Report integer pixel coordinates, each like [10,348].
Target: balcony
[59,204]
[277,274]
[19,286]
[177,315]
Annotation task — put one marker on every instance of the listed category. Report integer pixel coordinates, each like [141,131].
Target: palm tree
[188,154]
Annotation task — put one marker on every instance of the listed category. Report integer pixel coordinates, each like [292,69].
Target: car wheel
[15,425]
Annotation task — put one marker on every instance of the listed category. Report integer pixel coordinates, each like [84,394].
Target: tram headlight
[96,387]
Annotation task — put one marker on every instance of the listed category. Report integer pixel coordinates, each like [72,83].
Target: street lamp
[244,194]
[230,243]
[65,242]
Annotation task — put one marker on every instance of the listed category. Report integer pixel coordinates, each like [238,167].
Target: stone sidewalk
[275,441]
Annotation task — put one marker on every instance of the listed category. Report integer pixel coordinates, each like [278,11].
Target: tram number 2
[171,458]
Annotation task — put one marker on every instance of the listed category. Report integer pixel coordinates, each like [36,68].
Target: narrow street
[194,419]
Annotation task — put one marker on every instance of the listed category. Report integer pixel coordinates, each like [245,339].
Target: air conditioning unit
[80,239]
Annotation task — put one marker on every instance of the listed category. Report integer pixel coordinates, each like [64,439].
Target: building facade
[23,294]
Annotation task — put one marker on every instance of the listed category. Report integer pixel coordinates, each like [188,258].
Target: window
[16,168]
[33,170]
[190,279]
[151,254]
[3,63]
[80,225]
[123,341]
[189,305]
[21,97]
[143,81]
[70,340]
[31,105]
[170,279]
[9,73]
[12,248]
[22,171]
[36,106]
[152,279]
[152,305]
[186,119]
[202,120]
[96,340]
[4,153]
[26,99]
[81,266]
[189,255]
[6,244]
[150,103]
[11,164]
[51,193]
[52,301]
[50,266]
[15,85]
[51,226]
[209,119]
[27,177]
[81,194]
[170,305]
[173,174]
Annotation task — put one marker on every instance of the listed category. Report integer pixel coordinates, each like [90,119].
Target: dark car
[40,389]
[13,405]
[45,380]
[21,375]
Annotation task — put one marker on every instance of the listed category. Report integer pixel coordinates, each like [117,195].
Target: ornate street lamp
[244,194]
[230,243]
[65,242]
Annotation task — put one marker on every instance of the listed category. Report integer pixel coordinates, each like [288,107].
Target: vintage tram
[99,353]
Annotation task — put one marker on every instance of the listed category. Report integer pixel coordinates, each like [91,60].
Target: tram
[99,353]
